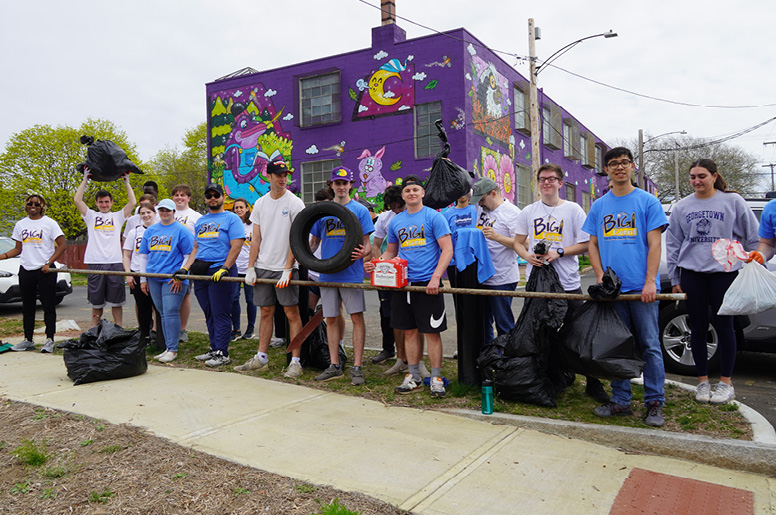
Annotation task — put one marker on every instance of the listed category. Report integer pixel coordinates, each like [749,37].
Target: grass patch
[241,491]
[48,493]
[79,279]
[84,443]
[111,449]
[21,488]
[57,471]
[305,488]
[335,508]
[40,414]
[13,326]
[180,475]
[31,453]
[101,497]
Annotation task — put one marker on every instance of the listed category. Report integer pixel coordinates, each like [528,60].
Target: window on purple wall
[320,99]
[427,143]
[315,174]
[523,186]
[571,192]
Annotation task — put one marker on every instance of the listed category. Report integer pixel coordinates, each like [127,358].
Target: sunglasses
[212,195]
[33,204]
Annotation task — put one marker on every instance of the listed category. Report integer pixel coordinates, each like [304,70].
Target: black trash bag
[315,349]
[105,160]
[596,342]
[540,319]
[447,181]
[106,351]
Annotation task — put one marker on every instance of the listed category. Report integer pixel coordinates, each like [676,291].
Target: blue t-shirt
[417,236]
[166,245]
[621,225]
[332,235]
[768,221]
[460,218]
[214,233]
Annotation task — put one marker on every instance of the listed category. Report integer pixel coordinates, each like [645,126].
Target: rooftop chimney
[388,8]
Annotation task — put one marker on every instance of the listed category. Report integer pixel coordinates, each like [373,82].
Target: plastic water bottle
[487,397]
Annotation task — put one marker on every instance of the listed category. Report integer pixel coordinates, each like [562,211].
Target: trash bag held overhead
[447,181]
[105,160]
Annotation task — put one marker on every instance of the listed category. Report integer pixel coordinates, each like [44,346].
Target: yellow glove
[219,274]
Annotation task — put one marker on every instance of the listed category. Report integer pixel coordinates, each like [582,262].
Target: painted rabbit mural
[371,177]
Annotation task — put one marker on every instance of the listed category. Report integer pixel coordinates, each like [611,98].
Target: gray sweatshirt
[695,224]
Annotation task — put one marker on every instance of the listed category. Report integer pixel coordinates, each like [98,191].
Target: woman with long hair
[145,306]
[241,208]
[712,212]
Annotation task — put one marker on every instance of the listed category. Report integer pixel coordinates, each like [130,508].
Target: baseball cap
[214,187]
[277,167]
[341,174]
[166,204]
[482,187]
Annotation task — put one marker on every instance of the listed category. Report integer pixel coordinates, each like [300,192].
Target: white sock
[263,357]
[297,360]
[341,343]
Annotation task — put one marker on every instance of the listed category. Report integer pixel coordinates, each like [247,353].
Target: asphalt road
[755,378]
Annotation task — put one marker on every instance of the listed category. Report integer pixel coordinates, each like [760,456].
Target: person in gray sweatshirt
[696,222]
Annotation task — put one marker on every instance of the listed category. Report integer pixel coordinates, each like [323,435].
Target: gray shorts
[267,294]
[351,297]
[106,290]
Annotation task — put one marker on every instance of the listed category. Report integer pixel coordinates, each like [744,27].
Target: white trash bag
[754,290]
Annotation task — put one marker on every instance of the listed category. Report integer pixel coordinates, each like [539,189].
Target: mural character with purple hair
[370,167]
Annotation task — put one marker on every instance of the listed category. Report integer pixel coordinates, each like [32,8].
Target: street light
[534,91]
[640,175]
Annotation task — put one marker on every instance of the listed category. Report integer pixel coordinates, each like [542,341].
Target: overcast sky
[144,64]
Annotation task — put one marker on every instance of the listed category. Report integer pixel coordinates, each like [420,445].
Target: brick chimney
[389,33]
[388,10]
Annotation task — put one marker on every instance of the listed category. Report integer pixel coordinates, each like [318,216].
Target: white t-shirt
[104,231]
[188,217]
[561,225]
[132,242]
[381,225]
[503,219]
[245,250]
[135,220]
[275,218]
[37,239]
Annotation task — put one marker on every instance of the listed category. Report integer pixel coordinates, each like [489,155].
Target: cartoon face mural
[245,137]
[490,101]
[388,90]
[370,167]
[501,169]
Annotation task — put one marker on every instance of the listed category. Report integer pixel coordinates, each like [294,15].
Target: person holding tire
[271,258]
[697,221]
[329,233]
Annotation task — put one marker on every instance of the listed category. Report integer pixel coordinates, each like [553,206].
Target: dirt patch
[96,467]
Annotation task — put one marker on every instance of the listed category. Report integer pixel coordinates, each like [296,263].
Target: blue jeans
[499,309]
[641,319]
[169,306]
[215,299]
[250,307]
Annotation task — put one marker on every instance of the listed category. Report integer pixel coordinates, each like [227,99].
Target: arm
[390,252]
[595,258]
[446,244]
[519,247]
[572,250]
[79,195]
[13,252]
[767,248]
[127,257]
[377,244]
[58,251]
[255,245]
[653,262]
[363,250]
[131,200]
[491,234]
[234,250]
[192,257]
[315,242]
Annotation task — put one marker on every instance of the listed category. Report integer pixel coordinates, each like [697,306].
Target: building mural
[489,92]
[501,169]
[369,166]
[388,90]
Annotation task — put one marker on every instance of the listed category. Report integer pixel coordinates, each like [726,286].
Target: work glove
[250,276]
[283,282]
[182,271]
[755,256]
[219,274]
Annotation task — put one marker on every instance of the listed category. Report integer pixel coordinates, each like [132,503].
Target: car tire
[674,324]
[300,237]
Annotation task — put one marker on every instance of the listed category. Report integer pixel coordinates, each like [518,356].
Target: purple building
[373,110]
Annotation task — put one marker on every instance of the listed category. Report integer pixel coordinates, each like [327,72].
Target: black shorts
[411,310]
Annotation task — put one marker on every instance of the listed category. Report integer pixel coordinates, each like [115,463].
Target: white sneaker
[218,359]
[159,356]
[703,392]
[294,370]
[23,346]
[437,387]
[168,356]
[252,364]
[48,347]
[723,393]
[206,356]
[277,342]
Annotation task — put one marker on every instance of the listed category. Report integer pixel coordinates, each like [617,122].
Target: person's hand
[648,292]
[87,173]
[219,274]
[283,282]
[144,288]
[45,268]
[177,275]
[535,260]
[755,256]
[489,233]
[551,256]
[677,288]
[358,253]
[131,281]
[175,286]
[250,276]
[369,266]
[432,288]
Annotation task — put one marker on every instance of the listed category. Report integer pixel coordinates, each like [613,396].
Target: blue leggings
[704,290]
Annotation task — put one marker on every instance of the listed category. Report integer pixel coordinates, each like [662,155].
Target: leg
[47,287]
[186,310]
[171,316]
[266,323]
[221,296]
[696,286]
[235,311]
[501,309]
[250,308]
[28,285]
[359,337]
[434,349]
[401,352]
[96,316]
[644,326]
[411,346]
[330,299]
[294,326]
[118,315]
[723,324]
[203,297]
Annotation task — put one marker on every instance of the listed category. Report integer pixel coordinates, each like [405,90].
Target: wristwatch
[560,252]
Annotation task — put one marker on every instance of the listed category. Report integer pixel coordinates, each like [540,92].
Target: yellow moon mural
[377,87]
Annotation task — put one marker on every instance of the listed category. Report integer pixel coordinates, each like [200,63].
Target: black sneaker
[595,389]
[654,415]
[248,334]
[236,335]
[333,372]
[613,410]
[383,356]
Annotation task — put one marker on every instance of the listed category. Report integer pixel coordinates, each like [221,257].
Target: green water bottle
[487,397]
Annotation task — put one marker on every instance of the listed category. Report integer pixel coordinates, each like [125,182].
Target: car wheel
[59,300]
[675,341]
[300,237]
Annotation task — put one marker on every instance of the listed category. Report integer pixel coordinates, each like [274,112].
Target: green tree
[42,159]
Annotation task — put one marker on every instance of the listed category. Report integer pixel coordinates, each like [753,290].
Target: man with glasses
[219,236]
[625,227]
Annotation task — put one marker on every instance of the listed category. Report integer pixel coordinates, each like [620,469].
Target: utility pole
[533,99]
[676,171]
[765,144]
[641,182]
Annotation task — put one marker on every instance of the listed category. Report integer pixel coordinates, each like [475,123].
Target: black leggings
[704,290]
[31,284]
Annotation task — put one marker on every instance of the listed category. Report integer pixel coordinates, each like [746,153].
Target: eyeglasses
[548,179]
[215,194]
[617,164]
[33,204]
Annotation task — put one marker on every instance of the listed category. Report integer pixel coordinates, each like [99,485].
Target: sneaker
[409,385]
[703,392]
[159,356]
[723,393]
[613,410]
[333,372]
[383,356]
[23,346]
[206,356]
[422,370]
[437,387]
[183,337]
[48,347]
[252,364]
[236,335]
[356,376]
[248,334]
[595,389]
[294,370]
[168,356]
[218,359]
[277,342]
[152,335]
[654,415]
[398,368]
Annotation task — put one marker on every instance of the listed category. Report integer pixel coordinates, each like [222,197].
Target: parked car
[753,332]
[9,277]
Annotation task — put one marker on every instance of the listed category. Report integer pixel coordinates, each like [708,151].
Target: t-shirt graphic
[104,223]
[411,236]
[209,230]
[548,228]
[160,243]
[701,224]
[31,236]
[621,226]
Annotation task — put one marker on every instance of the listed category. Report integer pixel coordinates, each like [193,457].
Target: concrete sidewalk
[422,461]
